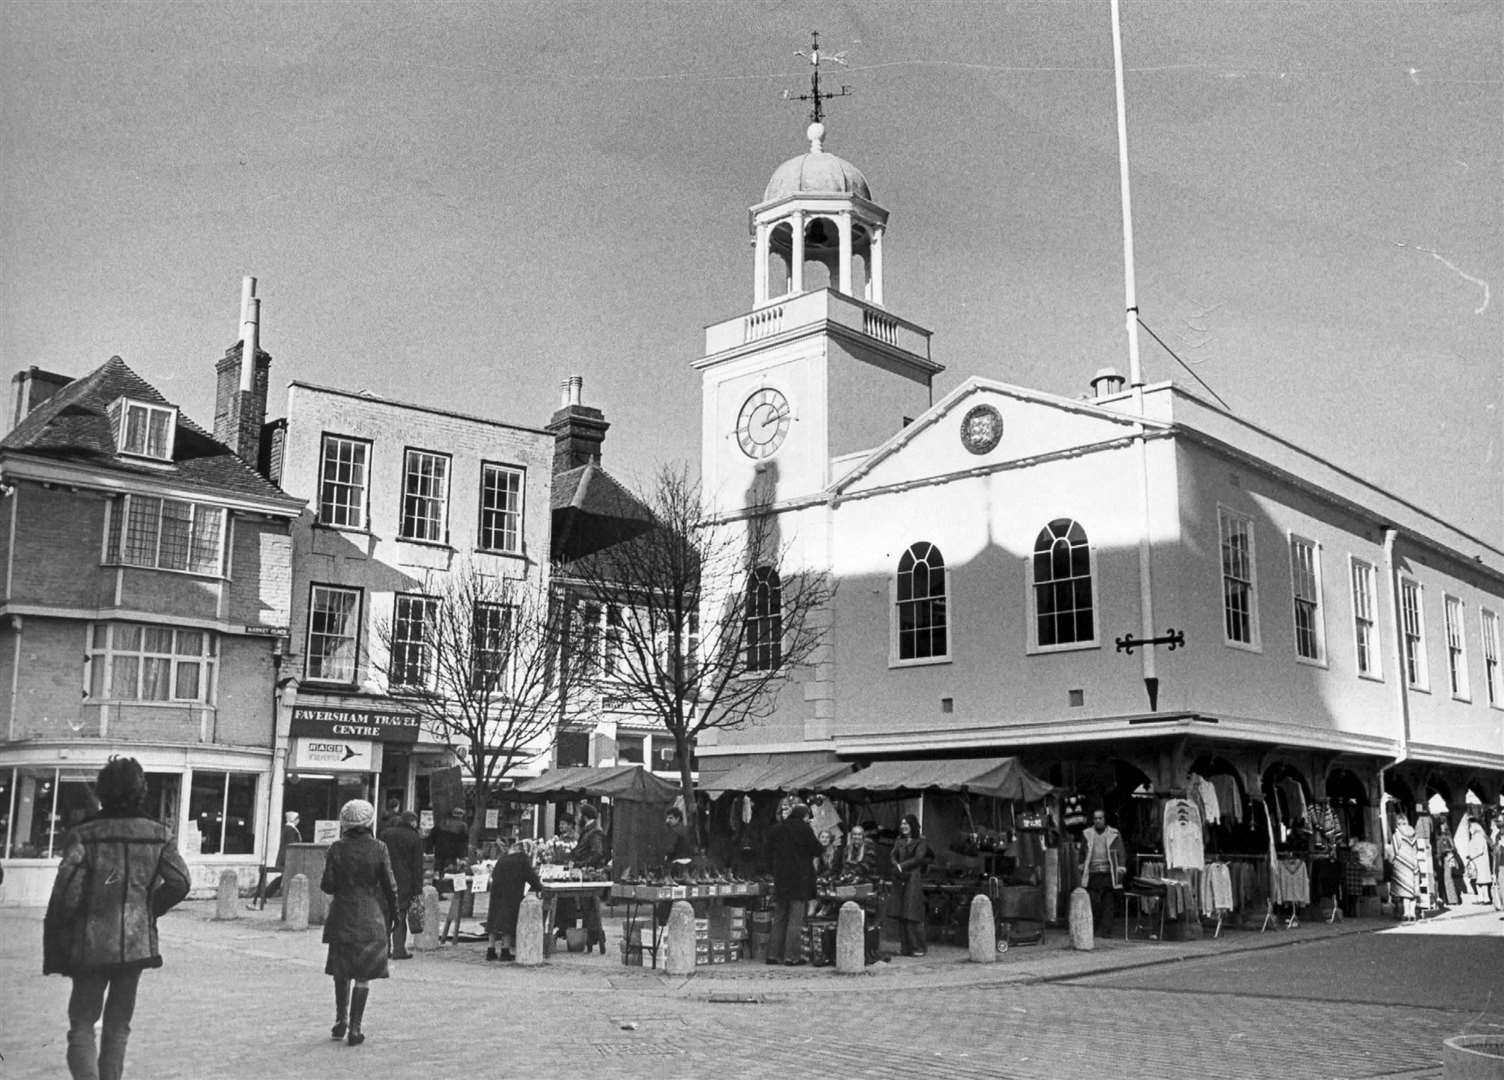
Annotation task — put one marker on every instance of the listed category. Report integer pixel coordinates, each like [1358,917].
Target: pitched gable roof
[73,426]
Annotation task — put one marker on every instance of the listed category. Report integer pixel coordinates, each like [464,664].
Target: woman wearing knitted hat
[358,875]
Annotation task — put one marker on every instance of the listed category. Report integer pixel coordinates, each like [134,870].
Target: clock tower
[818,371]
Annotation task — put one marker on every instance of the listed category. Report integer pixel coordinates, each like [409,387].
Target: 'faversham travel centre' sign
[335,723]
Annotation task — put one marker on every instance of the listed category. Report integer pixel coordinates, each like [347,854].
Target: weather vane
[816,97]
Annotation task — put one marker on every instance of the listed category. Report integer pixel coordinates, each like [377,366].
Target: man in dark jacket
[406,850]
[120,870]
[451,841]
[590,851]
[792,850]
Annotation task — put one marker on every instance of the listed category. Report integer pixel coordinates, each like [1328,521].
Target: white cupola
[817,227]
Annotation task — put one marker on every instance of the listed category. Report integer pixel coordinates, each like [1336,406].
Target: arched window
[920,617]
[764,620]
[1062,586]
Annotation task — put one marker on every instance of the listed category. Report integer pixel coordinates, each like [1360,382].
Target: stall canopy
[999,778]
[792,775]
[629,783]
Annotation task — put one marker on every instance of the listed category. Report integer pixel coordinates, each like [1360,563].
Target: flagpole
[1135,377]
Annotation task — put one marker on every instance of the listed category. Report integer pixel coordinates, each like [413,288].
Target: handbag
[415,915]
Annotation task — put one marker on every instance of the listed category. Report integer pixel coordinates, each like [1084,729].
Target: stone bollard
[530,931]
[428,940]
[227,904]
[295,906]
[981,932]
[679,940]
[1052,886]
[851,944]
[1081,922]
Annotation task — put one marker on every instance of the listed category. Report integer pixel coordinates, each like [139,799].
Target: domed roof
[816,173]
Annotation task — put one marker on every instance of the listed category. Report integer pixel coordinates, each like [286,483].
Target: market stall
[986,820]
[637,799]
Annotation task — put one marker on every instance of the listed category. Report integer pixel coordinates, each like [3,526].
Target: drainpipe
[1402,694]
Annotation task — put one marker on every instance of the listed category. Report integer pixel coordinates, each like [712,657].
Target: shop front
[212,799]
[338,750]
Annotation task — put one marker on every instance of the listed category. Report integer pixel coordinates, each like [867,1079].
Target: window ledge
[1306,661]
[1243,646]
[1413,688]
[498,553]
[1073,646]
[151,702]
[200,574]
[313,681]
[923,661]
[437,545]
[1464,699]
[349,530]
[1370,677]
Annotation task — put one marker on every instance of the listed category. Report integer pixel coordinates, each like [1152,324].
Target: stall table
[557,887]
[637,919]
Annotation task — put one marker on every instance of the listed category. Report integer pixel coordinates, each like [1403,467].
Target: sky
[461,204]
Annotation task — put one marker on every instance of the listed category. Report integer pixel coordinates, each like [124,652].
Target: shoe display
[795,963]
[490,954]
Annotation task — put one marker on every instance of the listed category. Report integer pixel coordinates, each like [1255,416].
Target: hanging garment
[1182,835]
[1218,888]
[1292,882]
[1229,801]
[1403,878]
[1472,849]
[1295,801]
[1211,803]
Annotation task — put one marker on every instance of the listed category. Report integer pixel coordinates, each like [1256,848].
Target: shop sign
[322,754]
[381,725]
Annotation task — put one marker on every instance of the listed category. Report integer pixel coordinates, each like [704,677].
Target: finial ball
[816,133]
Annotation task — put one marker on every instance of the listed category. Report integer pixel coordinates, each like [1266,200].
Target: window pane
[177,520]
[501,509]
[156,678]
[332,634]
[186,688]
[33,829]
[240,818]
[425,494]
[1062,584]
[342,489]
[206,810]
[141,531]
[204,556]
[125,677]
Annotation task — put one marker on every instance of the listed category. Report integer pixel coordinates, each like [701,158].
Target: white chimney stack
[250,332]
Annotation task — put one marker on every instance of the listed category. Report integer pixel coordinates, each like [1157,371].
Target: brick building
[145,604]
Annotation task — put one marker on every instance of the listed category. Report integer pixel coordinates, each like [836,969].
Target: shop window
[425,497]
[666,756]
[921,620]
[344,478]
[165,534]
[414,623]
[40,806]
[501,508]
[333,633]
[1305,587]
[1365,626]
[764,620]
[222,808]
[141,662]
[1062,593]
[1240,624]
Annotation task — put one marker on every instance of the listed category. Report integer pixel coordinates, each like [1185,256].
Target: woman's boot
[341,1008]
[357,1013]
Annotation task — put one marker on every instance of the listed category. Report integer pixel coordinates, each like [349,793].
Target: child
[457,871]
[510,877]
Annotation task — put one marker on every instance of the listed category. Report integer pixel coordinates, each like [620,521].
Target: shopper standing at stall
[590,850]
[911,854]
[1103,866]
[860,857]
[793,848]
[510,878]
[119,872]
[358,876]
[405,849]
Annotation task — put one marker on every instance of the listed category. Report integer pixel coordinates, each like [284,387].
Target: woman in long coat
[358,875]
[510,877]
[911,854]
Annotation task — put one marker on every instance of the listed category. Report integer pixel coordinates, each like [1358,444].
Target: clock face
[762,423]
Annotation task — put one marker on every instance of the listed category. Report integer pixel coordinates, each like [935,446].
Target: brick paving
[248,999]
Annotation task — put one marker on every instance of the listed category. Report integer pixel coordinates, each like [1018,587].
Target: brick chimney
[32,387]
[578,430]
[240,389]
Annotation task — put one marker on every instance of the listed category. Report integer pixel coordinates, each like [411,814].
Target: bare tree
[704,621]
[475,656]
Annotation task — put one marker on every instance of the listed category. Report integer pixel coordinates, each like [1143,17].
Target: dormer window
[147,430]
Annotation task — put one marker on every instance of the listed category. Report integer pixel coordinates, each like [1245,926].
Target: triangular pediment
[980,426]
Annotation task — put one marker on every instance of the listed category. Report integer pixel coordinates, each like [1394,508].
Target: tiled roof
[73,426]
[592,511]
